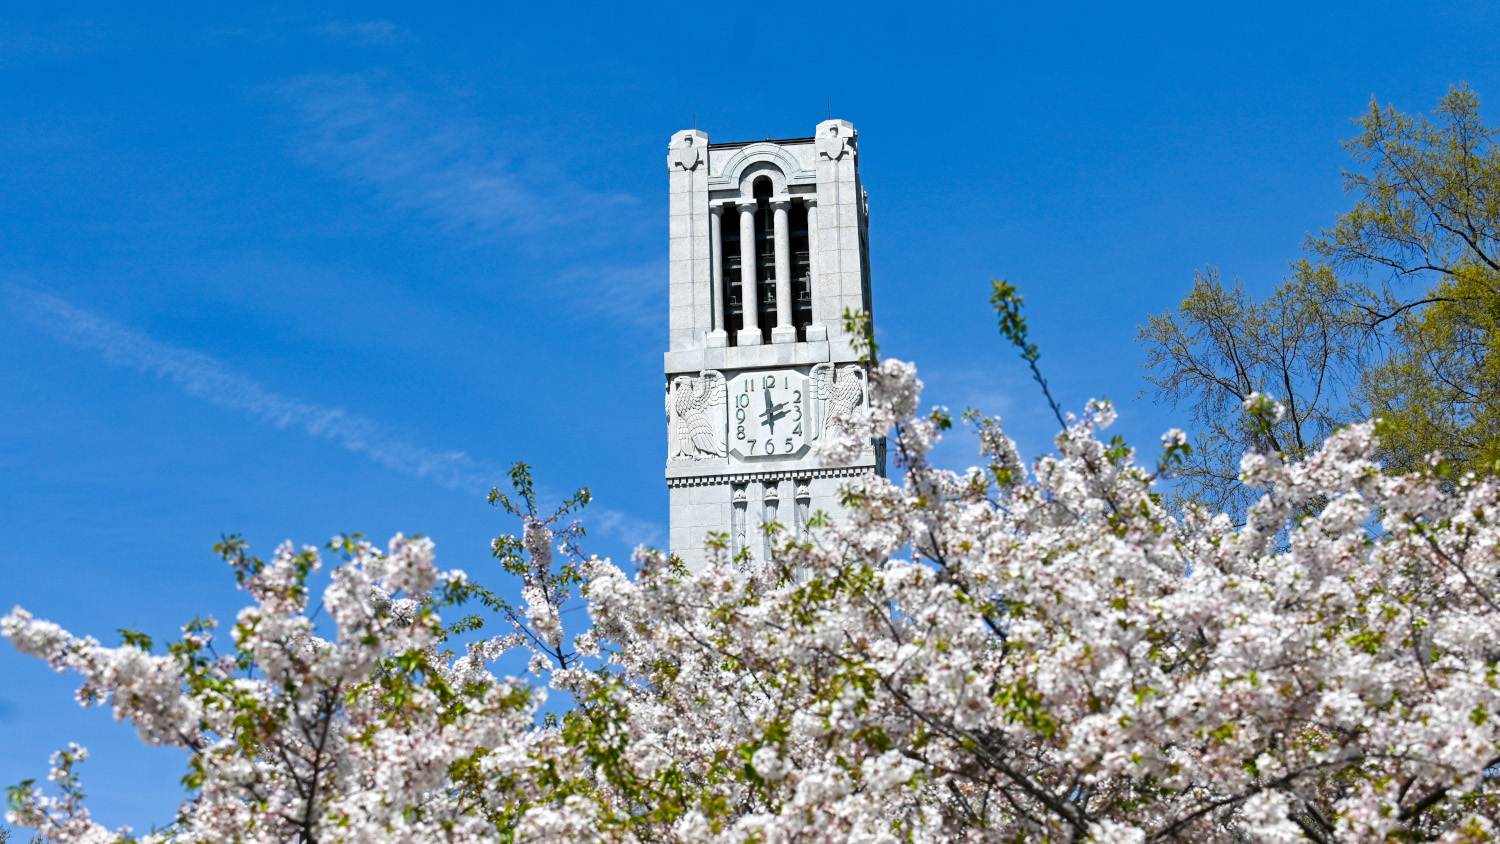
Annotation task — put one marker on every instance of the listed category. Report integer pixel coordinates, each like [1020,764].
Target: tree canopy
[1390,314]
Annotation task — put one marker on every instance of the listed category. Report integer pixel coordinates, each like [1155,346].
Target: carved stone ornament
[695,416]
[833,139]
[687,149]
[839,391]
[686,157]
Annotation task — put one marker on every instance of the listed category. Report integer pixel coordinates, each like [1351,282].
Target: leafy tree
[1391,314]
[1222,349]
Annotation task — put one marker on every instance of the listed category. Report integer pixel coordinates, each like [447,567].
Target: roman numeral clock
[769,244]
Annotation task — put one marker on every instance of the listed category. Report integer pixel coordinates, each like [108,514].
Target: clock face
[768,416]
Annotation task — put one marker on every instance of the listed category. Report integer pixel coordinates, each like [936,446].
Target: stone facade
[769,246]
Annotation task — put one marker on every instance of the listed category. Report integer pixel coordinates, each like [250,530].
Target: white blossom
[1011,653]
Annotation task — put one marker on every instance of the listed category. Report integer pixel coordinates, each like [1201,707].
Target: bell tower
[769,245]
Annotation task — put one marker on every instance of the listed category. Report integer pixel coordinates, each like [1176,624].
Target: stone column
[818,329]
[750,301]
[717,337]
[784,332]
[804,509]
[769,516]
[738,515]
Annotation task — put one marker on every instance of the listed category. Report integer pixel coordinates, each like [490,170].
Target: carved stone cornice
[772,475]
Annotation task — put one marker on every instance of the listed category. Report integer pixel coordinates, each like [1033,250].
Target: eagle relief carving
[838,391]
[695,416]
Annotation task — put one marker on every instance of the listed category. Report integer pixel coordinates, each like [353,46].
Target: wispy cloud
[205,378]
[385,138]
[427,152]
[366,33]
[963,388]
[635,293]
[627,529]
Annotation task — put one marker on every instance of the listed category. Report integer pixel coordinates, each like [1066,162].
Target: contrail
[203,377]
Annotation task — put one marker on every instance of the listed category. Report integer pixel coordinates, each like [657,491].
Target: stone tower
[769,247]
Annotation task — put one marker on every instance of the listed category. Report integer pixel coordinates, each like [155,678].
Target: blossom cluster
[1016,652]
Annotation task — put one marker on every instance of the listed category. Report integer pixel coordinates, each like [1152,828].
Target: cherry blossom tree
[1015,652]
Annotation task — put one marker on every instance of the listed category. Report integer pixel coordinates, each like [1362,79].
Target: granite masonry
[769,248]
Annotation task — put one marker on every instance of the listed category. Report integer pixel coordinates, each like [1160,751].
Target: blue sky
[294,270]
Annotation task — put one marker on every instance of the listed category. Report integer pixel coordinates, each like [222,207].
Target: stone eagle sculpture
[841,389]
[693,400]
